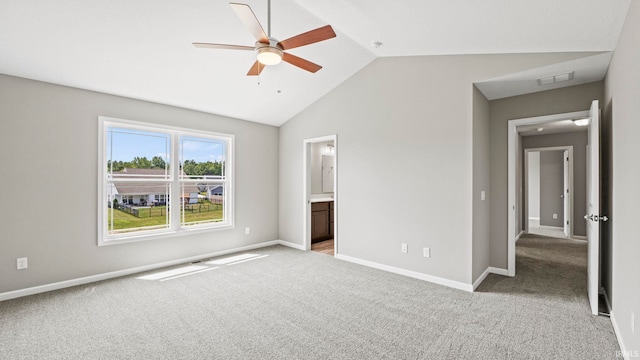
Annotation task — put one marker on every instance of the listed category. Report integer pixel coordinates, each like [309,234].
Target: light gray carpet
[305,305]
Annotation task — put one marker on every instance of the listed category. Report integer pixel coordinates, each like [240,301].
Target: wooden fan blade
[301,63]
[309,37]
[256,69]
[250,20]
[223,46]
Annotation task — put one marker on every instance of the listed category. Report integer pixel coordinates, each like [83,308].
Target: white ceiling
[142,48]
[585,70]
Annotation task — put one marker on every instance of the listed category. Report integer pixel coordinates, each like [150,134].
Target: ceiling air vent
[548,80]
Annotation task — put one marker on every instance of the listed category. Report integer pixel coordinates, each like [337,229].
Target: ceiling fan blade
[223,46]
[250,20]
[301,63]
[309,37]
[256,69]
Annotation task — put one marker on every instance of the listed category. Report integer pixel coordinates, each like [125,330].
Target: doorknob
[596,218]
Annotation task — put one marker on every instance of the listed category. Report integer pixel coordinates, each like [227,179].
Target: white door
[593,207]
[565,194]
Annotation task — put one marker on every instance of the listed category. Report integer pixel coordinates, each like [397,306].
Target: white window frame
[175,229]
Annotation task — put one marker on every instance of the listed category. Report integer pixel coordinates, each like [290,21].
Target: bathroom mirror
[327,173]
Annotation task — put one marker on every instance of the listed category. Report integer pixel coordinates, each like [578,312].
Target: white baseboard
[489,270]
[113,274]
[534,218]
[549,227]
[519,235]
[579,237]
[480,279]
[498,271]
[291,245]
[416,275]
[626,353]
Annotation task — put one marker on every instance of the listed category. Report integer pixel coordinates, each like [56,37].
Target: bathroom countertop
[321,199]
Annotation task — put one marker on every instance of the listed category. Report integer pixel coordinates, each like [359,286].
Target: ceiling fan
[269,50]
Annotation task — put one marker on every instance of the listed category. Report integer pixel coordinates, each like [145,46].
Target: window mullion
[174,197]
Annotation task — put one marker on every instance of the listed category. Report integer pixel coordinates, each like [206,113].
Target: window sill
[163,235]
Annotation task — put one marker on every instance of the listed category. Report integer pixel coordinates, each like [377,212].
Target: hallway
[549,288]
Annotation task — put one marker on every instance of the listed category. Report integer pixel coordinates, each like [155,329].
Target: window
[146,171]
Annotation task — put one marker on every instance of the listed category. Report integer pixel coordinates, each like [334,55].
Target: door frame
[512,137]
[567,192]
[525,204]
[593,208]
[306,190]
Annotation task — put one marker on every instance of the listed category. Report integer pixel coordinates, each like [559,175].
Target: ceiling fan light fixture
[581,122]
[269,55]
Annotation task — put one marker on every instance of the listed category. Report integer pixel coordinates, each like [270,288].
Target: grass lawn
[123,220]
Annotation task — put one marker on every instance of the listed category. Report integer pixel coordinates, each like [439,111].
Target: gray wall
[415,115]
[533,185]
[622,131]
[481,182]
[575,98]
[551,187]
[48,148]
[579,142]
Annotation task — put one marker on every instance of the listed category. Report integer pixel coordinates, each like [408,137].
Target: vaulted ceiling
[142,49]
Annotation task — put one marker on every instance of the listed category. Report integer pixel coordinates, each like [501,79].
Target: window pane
[202,158]
[137,154]
[202,199]
[202,203]
[137,206]
[137,186]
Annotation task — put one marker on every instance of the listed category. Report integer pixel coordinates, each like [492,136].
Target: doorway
[320,194]
[593,217]
[548,191]
[513,203]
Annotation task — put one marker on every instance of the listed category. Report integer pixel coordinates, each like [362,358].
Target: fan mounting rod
[269,19]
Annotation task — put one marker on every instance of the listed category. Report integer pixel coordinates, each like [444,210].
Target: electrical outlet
[247,230]
[483,195]
[405,248]
[21,263]
[555,216]
[426,252]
